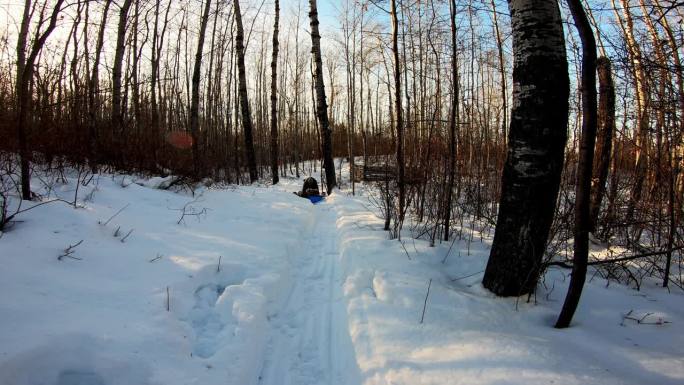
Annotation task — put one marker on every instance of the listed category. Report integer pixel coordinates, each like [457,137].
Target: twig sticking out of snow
[406,251]
[218,269]
[115,214]
[69,251]
[168,300]
[422,317]
[448,251]
[156,258]
[466,276]
[126,236]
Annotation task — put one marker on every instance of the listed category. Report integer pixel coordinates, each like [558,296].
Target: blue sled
[316,198]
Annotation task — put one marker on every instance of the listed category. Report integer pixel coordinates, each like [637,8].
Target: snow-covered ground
[304,295]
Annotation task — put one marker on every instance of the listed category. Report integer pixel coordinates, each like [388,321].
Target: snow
[304,295]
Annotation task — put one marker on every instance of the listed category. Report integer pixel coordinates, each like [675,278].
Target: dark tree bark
[584,166]
[22,100]
[604,143]
[453,122]
[321,104]
[194,101]
[157,44]
[274,97]
[117,117]
[399,122]
[25,70]
[536,144]
[247,125]
[93,92]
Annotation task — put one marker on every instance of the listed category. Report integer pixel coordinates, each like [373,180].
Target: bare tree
[194,104]
[321,104]
[604,144]
[247,125]
[117,117]
[453,121]
[274,97]
[93,91]
[399,122]
[25,71]
[584,166]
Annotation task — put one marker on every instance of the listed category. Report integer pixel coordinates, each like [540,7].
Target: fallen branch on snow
[69,251]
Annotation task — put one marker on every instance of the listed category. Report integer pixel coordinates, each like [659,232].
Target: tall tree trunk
[274,97]
[117,118]
[502,70]
[25,68]
[399,122]
[537,137]
[584,166]
[194,101]
[643,102]
[321,104]
[136,53]
[93,92]
[22,101]
[604,144]
[453,121]
[247,125]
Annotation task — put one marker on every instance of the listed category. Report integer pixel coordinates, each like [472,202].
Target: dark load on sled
[310,191]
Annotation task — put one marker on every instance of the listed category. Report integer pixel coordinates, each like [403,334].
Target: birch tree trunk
[537,138]
[321,104]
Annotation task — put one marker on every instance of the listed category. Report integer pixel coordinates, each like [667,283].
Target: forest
[552,131]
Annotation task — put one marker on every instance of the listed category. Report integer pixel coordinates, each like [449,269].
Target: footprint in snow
[205,320]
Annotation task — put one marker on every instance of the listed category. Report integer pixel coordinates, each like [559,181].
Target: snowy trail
[310,343]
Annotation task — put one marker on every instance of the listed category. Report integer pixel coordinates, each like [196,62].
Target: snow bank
[471,337]
[99,316]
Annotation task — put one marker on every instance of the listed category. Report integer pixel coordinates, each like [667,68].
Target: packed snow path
[310,343]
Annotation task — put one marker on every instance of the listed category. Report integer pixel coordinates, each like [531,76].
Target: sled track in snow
[309,342]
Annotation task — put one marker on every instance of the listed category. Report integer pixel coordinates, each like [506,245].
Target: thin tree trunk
[584,167]
[642,105]
[93,92]
[502,71]
[604,144]
[194,103]
[247,125]
[22,101]
[25,70]
[399,123]
[117,118]
[453,121]
[274,97]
